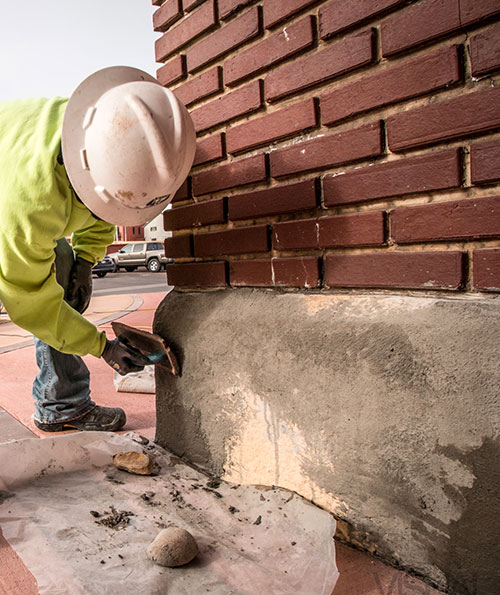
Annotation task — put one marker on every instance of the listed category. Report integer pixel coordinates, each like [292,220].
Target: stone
[134,462]
[173,547]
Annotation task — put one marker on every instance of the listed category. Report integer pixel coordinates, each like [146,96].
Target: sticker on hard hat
[156,201]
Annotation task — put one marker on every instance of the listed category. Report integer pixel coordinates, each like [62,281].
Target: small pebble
[134,462]
[172,547]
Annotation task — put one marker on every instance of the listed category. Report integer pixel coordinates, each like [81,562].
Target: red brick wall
[341,144]
[130,234]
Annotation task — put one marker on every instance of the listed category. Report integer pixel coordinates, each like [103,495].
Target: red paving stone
[15,578]
[15,396]
[361,574]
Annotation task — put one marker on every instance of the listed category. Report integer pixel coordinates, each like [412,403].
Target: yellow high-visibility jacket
[37,208]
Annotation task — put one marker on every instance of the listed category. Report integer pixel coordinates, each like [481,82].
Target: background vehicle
[103,267]
[148,254]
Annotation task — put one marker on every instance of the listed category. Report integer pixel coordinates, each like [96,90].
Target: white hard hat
[128,145]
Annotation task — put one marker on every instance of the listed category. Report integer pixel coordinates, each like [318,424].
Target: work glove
[79,289]
[123,358]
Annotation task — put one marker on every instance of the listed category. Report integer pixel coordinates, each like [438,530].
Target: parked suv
[148,254]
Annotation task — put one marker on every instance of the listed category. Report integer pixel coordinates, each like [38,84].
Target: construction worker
[114,154]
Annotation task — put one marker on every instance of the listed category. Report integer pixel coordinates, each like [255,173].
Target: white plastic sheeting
[252,540]
[136,382]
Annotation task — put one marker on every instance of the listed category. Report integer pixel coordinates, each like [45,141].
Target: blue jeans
[61,389]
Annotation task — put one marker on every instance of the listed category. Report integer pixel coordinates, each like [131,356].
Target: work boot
[105,419]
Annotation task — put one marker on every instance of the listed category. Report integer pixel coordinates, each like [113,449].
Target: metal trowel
[152,346]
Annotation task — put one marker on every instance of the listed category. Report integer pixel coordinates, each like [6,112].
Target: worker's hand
[123,358]
[79,289]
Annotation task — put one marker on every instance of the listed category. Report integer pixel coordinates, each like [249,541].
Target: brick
[461,219]
[257,273]
[296,272]
[405,270]
[296,235]
[200,87]
[197,274]
[485,51]
[485,162]
[190,4]
[427,20]
[414,175]
[195,215]
[275,12]
[201,20]
[486,269]
[225,39]
[184,192]
[337,15]
[178,247]
[337,58]
[236,173]
[405,80]
[447,120]
[326,151]
[233,241]
[419,23]
[231,105]
[270,51]
[165,16]
[285,272]
[291,198]
[475,10]
[209,149]
[172,71]
[272,127]
[229,7]
[157,2]
[358,229]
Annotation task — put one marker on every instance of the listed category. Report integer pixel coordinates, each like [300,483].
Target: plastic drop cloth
[136,382]
[252,540]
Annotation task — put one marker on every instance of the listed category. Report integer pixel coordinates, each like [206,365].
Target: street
[140,281]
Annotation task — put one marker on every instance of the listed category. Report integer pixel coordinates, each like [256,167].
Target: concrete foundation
[382,409]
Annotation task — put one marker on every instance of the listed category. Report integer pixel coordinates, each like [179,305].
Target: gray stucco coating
[391,402]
